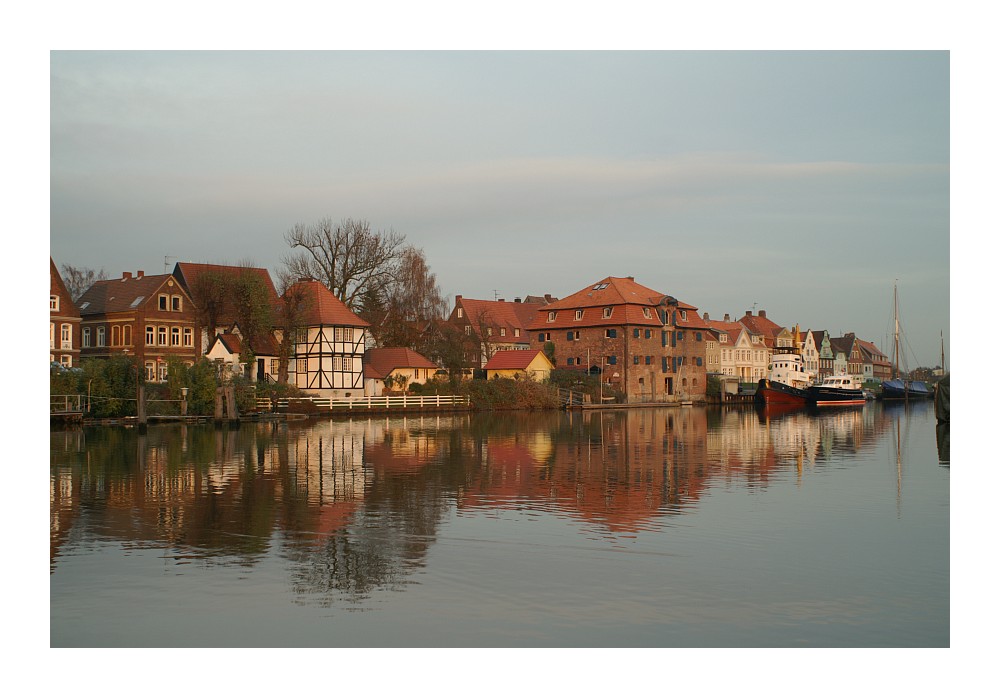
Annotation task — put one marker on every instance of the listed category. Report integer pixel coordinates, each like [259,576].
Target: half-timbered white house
[328,344]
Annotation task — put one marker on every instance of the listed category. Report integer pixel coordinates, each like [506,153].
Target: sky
[804,184]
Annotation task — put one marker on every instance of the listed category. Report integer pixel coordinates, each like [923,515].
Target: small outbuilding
[395,368]
[519,364]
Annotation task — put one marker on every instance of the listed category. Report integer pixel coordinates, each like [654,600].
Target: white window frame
[607,313]
[54,303]
[102,336]
[52,335]
[579,315]
[161,336]
[175,336]
[188,337]
[85,337]
[150,336]
[66,336]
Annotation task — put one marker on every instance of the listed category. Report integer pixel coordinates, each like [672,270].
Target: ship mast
[895,336]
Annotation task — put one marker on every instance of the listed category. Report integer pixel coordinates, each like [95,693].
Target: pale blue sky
[804,183]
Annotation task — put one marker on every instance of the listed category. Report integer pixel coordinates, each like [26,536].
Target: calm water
[680,527]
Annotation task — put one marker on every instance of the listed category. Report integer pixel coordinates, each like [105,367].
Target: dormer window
[503,331]
[552,316]
[646,313]
[684,315]
[607,312]
[579,315]
[53,302]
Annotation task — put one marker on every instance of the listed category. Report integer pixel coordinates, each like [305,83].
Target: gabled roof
[611,290]
[188,274]
[126,293]
[731,329]
[234,343]
[872,351]
[842,344]
[379,363]
[762,325]
[499,314]
[320,307]
[513,360]
[230,341]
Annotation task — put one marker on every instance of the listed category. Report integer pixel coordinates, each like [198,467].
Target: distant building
[392,363]
[493,326]
[64,322]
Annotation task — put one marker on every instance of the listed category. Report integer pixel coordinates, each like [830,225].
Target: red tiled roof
[57,287]
[231,342]
[497,315]
[379,363]
[118,295]
[188,274]
[320,307]
[623,295]
[512,359]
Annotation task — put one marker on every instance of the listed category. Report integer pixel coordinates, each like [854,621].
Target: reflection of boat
[787,379]
[837,390]
[772,410]
[901,388]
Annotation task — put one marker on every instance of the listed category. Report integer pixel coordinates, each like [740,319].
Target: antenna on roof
[495,294]
[166,263]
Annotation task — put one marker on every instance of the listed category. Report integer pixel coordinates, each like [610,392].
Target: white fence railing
[67,403]
[364,403]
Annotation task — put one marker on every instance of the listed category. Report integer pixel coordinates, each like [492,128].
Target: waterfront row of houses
[644,344]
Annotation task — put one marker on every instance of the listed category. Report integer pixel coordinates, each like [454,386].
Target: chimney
[630,278]
[726,319]
[762,313]
[139,274]
[706,317]
[517,300]
[458,299]
[549,298]
[126,275]
[501,300]
[749,313]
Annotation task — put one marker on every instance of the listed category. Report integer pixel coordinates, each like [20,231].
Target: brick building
[64,321]
[645,344]
[149,317]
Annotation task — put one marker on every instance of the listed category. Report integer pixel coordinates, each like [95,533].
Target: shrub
[509,394]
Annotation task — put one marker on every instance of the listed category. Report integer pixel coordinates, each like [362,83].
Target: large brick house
[64,321]
[645,344]
[150,318]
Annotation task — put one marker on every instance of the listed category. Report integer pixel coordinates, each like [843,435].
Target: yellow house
[399,365]
[519,363]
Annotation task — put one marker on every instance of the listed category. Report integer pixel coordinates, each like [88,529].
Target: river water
[669,527]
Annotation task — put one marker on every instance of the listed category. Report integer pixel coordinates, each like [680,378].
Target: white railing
[67,403]
[365,403]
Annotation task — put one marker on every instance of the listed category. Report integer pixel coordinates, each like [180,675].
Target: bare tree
[349,258]
[289,318]
[412,302]
[78,280]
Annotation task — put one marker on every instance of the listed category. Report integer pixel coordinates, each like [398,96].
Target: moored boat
[902,389]
[836,390]
[787,379]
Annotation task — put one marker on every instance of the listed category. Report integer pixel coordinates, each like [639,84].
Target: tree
[413,302]
[349,258]
[289,317]
[239,295]
[78,280]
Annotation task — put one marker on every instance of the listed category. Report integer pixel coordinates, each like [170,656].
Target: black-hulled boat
[839,390]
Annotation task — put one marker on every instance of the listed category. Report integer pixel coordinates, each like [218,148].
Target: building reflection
[357,504]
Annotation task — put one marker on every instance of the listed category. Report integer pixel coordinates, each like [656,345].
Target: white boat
[837,390]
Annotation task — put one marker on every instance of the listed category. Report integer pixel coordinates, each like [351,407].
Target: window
[150,370]
[541,336]
[188,337]
[53,302]
[116,336]
[300,365]
[275,366]
[503,331]
[161,371]
[346,364]
[635,359]
[610,334]
[646,313]
[680,336]
[127,335]
[101,336]
[552,316]
[517,332]
[458,313]
[649,360]
[163,303]
[161,336]
[635,333]
[468,329]
[698,361]
[338,334]
[697,336]
[175,303]
[569,336]
[86,336]
[66,360]
[67,337]
[684,315]
[612,360]
[579,315]
[569,361]
[52,335]
[150,336]
[175,336]
[607,312]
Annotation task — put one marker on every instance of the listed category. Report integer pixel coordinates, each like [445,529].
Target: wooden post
[218,404]
[140,410]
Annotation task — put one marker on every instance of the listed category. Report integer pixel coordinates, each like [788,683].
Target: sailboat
[901,388]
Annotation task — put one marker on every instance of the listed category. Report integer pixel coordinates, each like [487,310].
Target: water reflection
[356,505]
